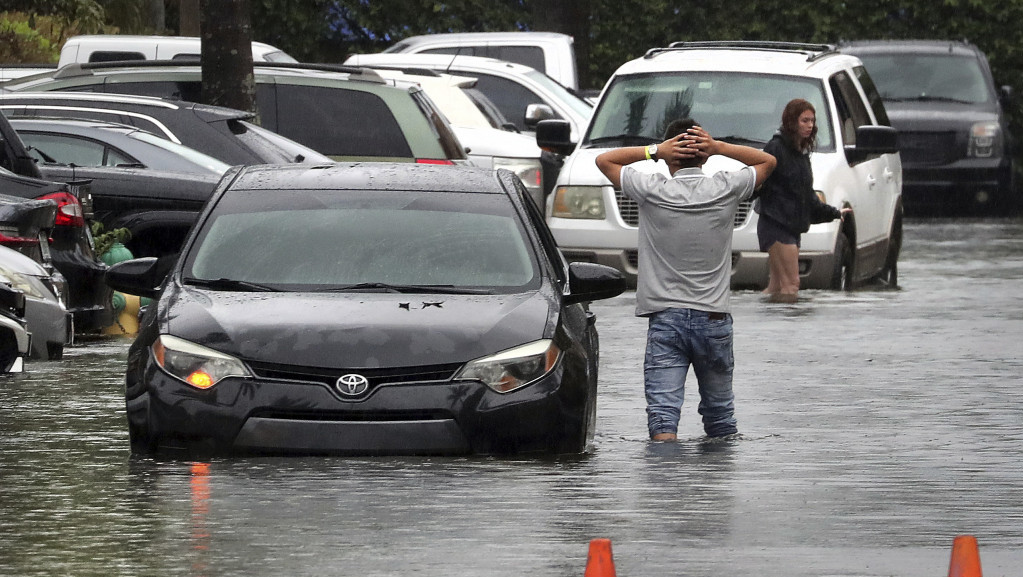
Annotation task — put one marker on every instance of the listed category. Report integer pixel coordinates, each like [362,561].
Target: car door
[868,192]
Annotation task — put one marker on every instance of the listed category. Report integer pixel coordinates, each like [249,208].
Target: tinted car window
[531,56]
[365,125]
[73,150]
[185,90]
[113,56]
[928,77]
[876,103]
[393,237]
[511,98]
[851,111]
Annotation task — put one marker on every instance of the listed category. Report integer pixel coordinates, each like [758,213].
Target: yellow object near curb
[127,322]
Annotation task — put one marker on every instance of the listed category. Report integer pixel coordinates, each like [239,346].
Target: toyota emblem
[352,385]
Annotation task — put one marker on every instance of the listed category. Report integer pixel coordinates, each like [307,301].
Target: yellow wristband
[646,152]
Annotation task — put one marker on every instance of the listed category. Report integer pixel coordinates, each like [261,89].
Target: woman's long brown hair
[790,124]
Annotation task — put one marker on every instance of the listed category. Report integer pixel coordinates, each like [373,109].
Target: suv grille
[629,210]
[928,147]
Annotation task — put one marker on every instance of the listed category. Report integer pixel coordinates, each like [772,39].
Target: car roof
[40,99]
[781,58]
[372,176]
[439,61]
[953,47]
[81,126]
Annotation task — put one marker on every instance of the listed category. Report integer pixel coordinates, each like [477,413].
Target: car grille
[629,210]
[376,377]
[928,147]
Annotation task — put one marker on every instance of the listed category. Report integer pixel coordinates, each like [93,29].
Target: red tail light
[433,161]
[69,210]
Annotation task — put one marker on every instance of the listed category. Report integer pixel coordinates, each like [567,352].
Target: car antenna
[453,56]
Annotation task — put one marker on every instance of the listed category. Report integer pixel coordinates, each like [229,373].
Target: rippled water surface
[876,425]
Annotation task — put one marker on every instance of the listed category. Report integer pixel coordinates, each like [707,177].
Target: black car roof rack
[812,51]
[86,68]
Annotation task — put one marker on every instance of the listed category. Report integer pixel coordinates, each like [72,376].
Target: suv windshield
[928,77]
[739,108]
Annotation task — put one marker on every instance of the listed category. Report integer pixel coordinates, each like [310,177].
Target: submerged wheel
[890,273]
[843,273]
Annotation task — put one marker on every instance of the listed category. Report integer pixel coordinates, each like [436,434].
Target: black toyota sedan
[365,308]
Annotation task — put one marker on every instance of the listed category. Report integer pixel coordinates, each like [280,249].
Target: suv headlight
[579,202]
[194,364]
[529,171]
[514,368]
[985,140]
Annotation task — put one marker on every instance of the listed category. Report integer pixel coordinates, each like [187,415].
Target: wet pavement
[876,426]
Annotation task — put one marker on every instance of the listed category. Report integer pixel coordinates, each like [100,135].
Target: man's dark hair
[679,126]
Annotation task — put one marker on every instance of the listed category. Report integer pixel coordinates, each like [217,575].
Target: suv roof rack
[812,51]
[86,68]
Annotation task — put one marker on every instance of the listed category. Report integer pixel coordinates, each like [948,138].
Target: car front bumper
[279,417]
[975,182]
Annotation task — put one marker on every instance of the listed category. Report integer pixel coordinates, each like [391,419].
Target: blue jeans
[676,339]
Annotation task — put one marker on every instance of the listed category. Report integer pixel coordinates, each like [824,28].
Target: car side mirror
[592,282]
[872,140]
[555,136]
[140,276]
[537,112]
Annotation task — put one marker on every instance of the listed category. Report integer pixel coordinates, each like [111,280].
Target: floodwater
[876,426]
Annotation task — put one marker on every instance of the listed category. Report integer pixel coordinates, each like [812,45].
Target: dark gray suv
[957,152]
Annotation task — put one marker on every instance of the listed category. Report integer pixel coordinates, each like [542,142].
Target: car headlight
[528,170]
[514,368]
[985,140]
[29,285]
[579,202]
[194,364]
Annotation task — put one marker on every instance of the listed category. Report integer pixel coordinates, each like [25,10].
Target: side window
[114,56]
[183,90]
[460,50]
[510,98]
[851,110]
[531,56]
[73,150]
[339,122]
[876,104]
[550,246]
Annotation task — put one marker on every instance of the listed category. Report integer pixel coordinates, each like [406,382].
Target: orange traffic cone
[965,557]
[600,562]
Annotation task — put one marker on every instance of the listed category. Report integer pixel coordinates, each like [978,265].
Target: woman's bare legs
[783,262]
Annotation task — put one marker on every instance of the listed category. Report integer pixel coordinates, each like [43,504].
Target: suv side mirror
[555,136]
[537,112]
[592,282]
[873,140]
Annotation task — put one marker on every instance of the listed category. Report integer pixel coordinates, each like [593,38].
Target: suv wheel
[890,273]
[842,274]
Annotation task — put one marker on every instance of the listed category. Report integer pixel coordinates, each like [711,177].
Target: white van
[549,52]
[112,47]
[737,90]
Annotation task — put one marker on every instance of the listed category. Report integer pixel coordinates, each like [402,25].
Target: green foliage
[105,240]
[20,42]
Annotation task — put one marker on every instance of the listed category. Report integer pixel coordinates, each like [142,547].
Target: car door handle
[888,174]
[871,181]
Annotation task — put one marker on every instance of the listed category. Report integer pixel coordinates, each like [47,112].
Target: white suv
[737,90]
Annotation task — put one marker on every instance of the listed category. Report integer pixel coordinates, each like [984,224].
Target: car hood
[927,116]
[363,330]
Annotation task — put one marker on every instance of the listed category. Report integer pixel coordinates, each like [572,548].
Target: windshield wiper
[229,284]
[407,288]
[736,139]
[46,157]
[623,140]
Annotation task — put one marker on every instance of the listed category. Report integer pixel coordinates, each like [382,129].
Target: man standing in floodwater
[685,251]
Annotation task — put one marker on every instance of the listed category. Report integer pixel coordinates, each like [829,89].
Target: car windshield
[190,154]
[928,77]
[739,108]
[394,241]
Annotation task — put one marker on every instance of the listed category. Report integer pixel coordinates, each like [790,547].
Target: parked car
[342,112]
[958,154]
[14,336]
[223,133]
[93,143]
[116,47]
[737,90]
[549,52]
[524,95]
[487,144]
[389,308]
[45,312]
[70,243]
